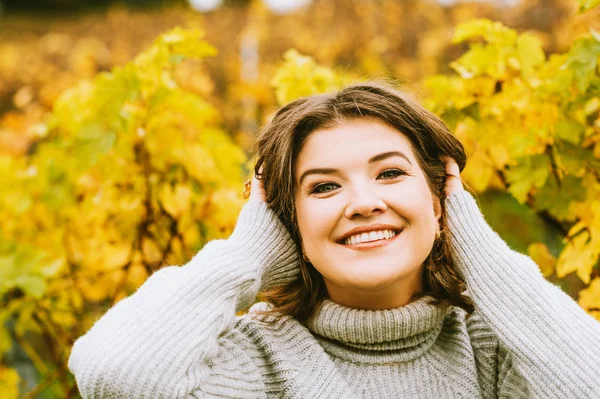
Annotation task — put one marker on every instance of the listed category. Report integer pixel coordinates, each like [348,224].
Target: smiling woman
[379,277]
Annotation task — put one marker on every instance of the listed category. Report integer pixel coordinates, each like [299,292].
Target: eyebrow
[373,159]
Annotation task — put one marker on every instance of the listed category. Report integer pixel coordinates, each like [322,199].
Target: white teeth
[370,236]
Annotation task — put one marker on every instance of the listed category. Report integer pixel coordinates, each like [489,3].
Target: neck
[380,336]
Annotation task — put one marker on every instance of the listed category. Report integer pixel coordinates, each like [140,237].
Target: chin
[372,282]
[371,278]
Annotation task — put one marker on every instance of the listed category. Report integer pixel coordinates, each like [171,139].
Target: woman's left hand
[453,181]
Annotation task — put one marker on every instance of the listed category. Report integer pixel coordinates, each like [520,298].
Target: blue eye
[323,188]
[391,173]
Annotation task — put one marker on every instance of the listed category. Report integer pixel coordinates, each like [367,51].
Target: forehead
[356,140]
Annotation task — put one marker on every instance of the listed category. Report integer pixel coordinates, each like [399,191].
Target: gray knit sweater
[178,336]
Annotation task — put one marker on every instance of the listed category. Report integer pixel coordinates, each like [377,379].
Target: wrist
[265,241]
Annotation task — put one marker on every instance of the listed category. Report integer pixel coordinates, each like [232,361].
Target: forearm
[554,342]
[156,343]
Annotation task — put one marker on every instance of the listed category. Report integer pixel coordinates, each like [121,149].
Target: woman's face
[366,216]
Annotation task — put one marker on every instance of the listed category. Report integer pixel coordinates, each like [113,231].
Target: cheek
[316,221]
[414,204]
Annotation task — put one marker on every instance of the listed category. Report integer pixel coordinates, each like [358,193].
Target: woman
[363,245]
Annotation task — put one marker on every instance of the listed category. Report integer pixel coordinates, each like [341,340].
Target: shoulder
[268,339]
[254,355]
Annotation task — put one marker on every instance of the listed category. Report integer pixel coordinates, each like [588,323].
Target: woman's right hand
[257,190]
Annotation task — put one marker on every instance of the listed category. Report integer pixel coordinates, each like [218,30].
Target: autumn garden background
[126,133]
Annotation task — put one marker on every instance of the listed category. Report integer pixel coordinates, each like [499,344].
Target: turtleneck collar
[376,336]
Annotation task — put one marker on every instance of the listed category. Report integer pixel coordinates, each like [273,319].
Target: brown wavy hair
[282,139]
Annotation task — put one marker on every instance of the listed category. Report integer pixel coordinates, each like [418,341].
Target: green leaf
[25,267]
[586,5]
[32,285]
[492,32]
[177,58]
[51,269]
[583,60]
[557,199]
[5,339]
[575,159]
[529,172]
[530,52]
[472,29]
[91,143]
[477,61]
[570,131]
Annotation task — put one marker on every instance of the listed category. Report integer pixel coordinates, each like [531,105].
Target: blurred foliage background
[124,140]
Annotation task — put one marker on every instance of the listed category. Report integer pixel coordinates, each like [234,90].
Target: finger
[453,181]
[257,191]
[451,167]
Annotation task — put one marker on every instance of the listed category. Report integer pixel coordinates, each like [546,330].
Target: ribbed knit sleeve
[551,341]
[159,342]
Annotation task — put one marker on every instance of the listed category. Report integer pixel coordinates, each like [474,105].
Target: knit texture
[178,336]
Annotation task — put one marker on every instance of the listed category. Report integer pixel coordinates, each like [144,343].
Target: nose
[364,202]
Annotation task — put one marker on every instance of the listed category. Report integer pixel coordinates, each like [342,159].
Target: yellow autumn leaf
[580,255]
[530,53]
[222,212]
[151,251]
[176,256]
[189,230]
[478,172]
[541,255]
[199,163]
[589,298]
[136,276]
[99,288]
[490,31]
[64,318]
[301,76]
[91,289]
[176,200]
[588,213]
[499,155]
[106,256]
[480,86]
[9,383]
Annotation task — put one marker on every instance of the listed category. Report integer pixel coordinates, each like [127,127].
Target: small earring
[438,234]
[247,189]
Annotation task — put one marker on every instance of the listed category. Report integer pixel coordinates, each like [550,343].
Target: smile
[369,237]
[372,239]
